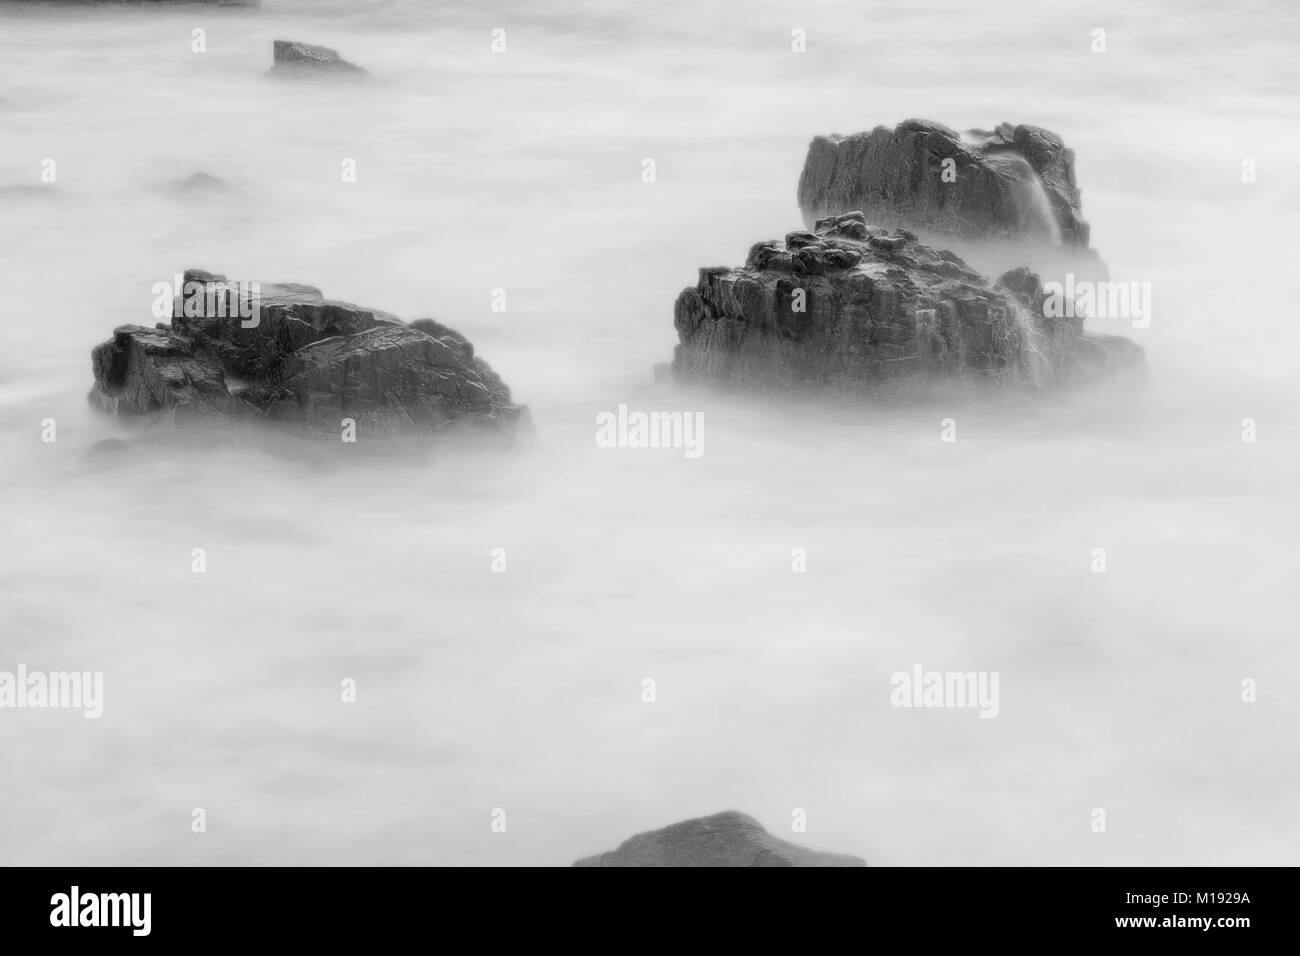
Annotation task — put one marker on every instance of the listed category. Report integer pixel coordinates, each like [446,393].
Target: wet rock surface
[849,309]
[285,354]
[723,839]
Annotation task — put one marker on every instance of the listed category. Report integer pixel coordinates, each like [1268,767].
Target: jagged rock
[1014,199]
[296,358]
[723,839]
[852,311]
[303,59]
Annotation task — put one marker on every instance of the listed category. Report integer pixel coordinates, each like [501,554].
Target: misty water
[523,690]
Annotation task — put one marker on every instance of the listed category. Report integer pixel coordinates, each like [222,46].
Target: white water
[523,690]
[1039,219]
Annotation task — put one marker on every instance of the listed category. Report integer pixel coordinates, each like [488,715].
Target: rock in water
[200,183]
[1007,197]
[723,839]
[302,360]
[850,311]
[303,59]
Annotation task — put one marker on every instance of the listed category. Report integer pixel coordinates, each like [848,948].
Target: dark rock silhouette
[1013,186]
[285,354]
[294,59]
[723,839]
[848,310]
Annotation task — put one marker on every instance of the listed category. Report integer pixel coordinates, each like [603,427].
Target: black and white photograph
[698,433]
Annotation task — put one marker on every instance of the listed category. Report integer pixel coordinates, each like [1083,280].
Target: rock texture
[304,360]
[1013,184]
[296,59]
[724,839]
[851,310]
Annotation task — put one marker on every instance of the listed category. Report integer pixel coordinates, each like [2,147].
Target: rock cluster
[723,839]
[849,309]
[286,354]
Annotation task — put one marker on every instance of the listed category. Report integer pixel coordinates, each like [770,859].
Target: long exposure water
[522,690]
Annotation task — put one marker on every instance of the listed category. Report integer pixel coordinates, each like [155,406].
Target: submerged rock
[286,354]
[107,453]
[1001,198]
[723,839]
[303,59]
[200,183]
[849,310]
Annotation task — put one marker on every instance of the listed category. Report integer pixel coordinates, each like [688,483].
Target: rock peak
[729,838]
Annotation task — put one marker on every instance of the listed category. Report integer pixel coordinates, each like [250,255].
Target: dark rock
[723,839]
[1014,187]
[303,59]
[887,244]
[885,317]
[450,336]
[285,353]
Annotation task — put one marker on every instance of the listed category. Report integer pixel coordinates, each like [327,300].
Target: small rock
[723,839]
[303,59]
[886,243]
[200,183]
